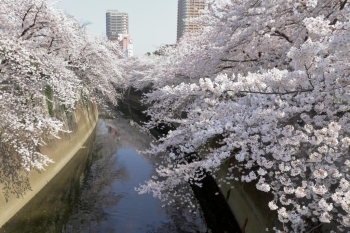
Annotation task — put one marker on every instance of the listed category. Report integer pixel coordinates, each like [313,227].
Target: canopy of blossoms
[269,82]
[45,57]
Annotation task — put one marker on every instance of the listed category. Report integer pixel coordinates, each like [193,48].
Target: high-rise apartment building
[116,23]
[117,30]
[188,9]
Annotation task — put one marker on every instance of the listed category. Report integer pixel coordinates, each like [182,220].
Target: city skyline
[152,23]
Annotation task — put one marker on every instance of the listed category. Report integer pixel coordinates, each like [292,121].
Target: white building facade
[188,9]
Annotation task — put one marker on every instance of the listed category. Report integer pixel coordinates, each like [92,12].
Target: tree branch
[248,60]
[273,93]
[25,15]
[34,23]
[342,4]
[280,34]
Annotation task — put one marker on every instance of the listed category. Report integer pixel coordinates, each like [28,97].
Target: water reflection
[95,193]
[49,210]
[113,204]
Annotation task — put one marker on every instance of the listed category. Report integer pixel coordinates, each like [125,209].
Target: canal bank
[82,123]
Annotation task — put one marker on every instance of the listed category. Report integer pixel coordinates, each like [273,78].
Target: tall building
[188,9]
[117,30]
[116,23]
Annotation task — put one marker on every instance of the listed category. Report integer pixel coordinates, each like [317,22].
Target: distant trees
[269,83]
[46,59]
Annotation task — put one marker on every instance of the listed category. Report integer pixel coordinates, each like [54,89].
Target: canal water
[95,192]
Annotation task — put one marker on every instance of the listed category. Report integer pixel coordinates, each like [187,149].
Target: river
[95,192]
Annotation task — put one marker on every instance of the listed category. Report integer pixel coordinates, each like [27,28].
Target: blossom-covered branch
[279,111]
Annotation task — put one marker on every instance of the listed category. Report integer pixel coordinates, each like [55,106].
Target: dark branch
[51,42]
[248,60]
[342,4]
[273,93]
[281,34]
[34,23]
[25,15]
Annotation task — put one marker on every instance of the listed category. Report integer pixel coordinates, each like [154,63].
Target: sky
[151,22]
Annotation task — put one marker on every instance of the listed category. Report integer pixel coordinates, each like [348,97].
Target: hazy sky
[151,22]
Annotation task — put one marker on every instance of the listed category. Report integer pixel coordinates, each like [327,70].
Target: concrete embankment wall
[248,204]
[82,122]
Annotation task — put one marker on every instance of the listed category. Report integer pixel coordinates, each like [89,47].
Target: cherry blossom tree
[265,84]
[47,61]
